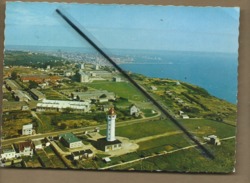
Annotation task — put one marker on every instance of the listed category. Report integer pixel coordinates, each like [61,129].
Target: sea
[215,72]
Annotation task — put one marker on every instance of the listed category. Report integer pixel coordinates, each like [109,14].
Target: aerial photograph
[119,87]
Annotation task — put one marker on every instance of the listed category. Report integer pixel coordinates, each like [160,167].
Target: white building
[111,125]
[27,129]
[8,152]
[117,79]
[70,140]
[25,149]
[82,66]
[37,144]
[84,78]
[96,67]
[134,110]
[62,105]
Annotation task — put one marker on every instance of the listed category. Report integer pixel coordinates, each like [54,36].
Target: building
[84,78]
[93,95]
[134,111]
[37,95]
[111,125]
[184,116]
[11,85]
[70,140]
[97,67]
[27,129]
[154,88]
[82,66]
[117,79]
[61,105]
[78,155]
[100,73]
[39,78]
[68,73]
[38,144]
[213,139]
[8,152]
[25,149]
[21,96]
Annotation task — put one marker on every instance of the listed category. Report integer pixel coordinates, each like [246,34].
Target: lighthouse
[111,125]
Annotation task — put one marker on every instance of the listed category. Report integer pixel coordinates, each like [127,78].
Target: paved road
[78,130]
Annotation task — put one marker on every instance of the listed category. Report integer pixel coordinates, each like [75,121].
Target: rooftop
[70,138]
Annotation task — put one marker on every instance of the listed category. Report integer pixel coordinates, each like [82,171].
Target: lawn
[122,89]
[203,127]
[190,160]
[167,142]
[139,130]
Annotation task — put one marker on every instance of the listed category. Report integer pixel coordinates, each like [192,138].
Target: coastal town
[87,115]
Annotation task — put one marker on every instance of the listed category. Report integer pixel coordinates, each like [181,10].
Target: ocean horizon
[215,72]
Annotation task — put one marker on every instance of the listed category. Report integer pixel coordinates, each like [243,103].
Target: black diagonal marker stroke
[172,118]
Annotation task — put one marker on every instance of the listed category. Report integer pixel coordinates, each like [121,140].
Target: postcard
[120,87]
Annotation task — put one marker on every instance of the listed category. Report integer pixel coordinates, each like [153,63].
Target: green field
[203,127]
[139,130]
[190,160]
[122,89]
[165,143]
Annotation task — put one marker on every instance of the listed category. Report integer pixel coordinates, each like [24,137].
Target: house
[88,153]
[106,159]
[68,73]
[25,108]
[27,129]
[107,146]
[25,149]
[153,88]
[117,79]
[62,105]
[181,113]
[70,140]
[37,95]
[77,155]
[134,111]
[8,152]
[213,139]
[37,144]
[184,116]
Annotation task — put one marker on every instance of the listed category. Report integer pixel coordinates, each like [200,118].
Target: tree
[14,75]
[32,84]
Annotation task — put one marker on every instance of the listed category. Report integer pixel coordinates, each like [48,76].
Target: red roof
[23,145]
[111,111]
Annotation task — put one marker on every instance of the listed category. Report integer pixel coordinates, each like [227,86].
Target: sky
[177,28]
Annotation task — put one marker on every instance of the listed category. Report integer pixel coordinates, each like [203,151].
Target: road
[161,154]
[78,130]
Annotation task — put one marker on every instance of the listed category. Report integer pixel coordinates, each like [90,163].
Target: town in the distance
[75,111]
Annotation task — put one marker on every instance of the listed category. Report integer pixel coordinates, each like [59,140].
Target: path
[160,154]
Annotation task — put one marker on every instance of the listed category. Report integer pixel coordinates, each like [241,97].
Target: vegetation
[139,130]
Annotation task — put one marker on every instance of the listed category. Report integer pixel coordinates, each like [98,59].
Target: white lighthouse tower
[111,125]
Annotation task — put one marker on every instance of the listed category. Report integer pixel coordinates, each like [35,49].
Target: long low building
[21,96]
[62,105]
[37,95]
[11,85]
[93,95]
